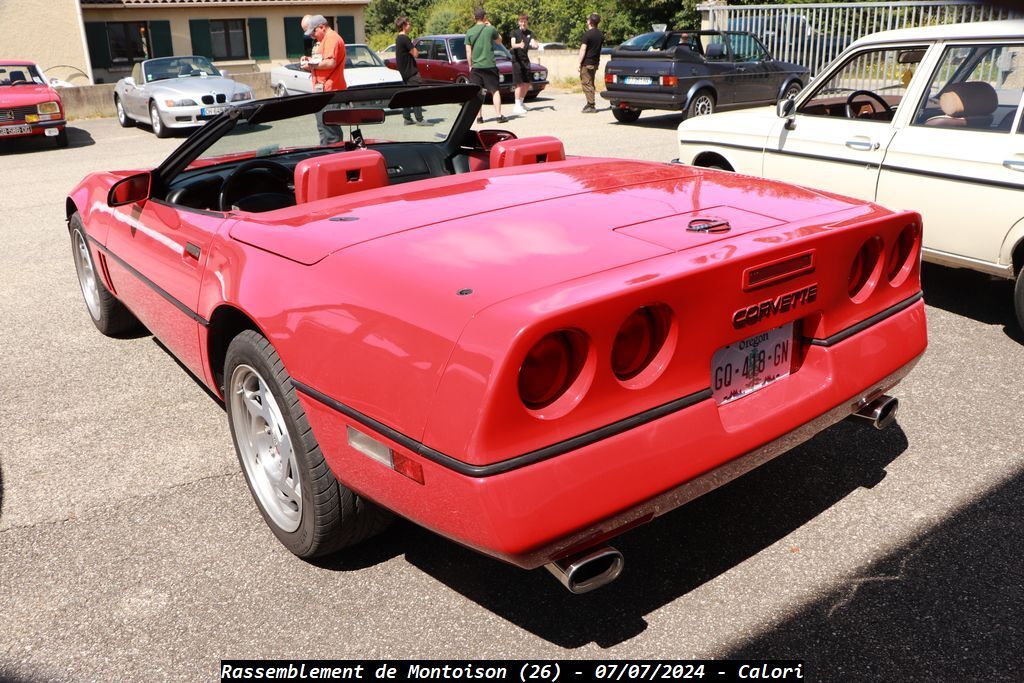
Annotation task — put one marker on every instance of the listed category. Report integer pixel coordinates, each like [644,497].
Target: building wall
[181,37]
[61,56]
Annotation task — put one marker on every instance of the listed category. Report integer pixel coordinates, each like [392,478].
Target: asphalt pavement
[130,548]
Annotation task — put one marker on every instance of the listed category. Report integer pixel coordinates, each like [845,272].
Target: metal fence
[814,34]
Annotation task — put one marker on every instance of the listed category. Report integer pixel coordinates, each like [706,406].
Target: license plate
[210,111]
[15,130]
[638,80]
[745,366]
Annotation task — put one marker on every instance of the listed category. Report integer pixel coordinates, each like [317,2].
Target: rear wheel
[122,115]
[462,80]
[792,91]
[625,115]
[308,510]
[280,90]
[107,313]
[702,104]
[159,129]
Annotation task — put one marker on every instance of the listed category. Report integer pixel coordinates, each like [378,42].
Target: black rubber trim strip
[518,461]
[866,323]
[152,285]
[950,176]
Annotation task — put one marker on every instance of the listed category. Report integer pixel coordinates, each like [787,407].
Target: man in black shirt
[522,41]
[405,60]
[590,57]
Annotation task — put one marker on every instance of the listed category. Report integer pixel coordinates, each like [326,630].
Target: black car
[696,73]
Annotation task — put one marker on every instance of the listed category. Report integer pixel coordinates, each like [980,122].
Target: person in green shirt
[483,69]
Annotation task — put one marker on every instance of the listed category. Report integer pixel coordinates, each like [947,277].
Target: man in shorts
[522,41]
[483,69]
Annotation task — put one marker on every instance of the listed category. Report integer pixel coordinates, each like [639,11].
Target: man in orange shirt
[328,72]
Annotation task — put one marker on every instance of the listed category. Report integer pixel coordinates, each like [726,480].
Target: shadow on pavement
[77,137]
[974,295]
[948,606]
[655,119]
[669,557]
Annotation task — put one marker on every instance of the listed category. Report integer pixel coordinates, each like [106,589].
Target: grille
[207,99]
[16,113]
[221,99]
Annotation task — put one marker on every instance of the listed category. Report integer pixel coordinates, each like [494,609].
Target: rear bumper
[639,99]
[539,512]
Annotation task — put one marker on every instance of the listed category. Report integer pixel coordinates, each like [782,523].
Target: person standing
[483,68]
[590,57]
[405,59]
[522,41]
[328,72]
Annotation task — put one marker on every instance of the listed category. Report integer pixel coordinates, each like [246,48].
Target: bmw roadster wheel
[122,115]
[304,505]
[107,313]
[159,129]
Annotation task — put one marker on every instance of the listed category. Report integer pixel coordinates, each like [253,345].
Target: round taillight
[550,368]
[638,341]
[903,255]
[865,270]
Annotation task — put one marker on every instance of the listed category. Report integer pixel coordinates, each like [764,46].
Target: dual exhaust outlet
[596,567]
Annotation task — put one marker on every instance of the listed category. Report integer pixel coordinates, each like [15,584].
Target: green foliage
[379,41]
[449,16]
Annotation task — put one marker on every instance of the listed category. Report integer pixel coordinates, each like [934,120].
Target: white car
[928,119]
[362,67]
[175,92]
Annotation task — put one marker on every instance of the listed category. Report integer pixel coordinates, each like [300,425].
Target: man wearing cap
[328,72]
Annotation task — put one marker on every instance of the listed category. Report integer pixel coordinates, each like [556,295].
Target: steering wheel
[886,107]
[263,201]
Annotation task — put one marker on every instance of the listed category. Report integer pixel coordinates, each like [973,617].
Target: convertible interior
[284,175]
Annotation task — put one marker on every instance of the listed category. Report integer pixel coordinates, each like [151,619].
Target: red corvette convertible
[391,335]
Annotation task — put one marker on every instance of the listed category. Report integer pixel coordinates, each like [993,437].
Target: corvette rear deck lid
[694,228]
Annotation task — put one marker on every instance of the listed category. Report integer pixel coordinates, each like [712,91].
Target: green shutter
[160,39]
[201,43]
[294,40]
[96,39]
[259,45]
[347,28]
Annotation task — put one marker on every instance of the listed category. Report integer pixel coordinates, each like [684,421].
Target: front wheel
[107,313]
[308,510]
[122,115]
[1018,298]
[280,90]
[462,80]
[625,115]
[702,104]
[159,129]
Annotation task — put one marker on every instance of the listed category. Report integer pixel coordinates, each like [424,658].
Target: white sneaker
[519,110]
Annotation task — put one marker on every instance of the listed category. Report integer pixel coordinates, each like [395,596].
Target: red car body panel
[15,99]
[410,324]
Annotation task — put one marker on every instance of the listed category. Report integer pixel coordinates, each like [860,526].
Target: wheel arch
[226,322]
[702,84]
[1012,251]
[706,159]
[788,82]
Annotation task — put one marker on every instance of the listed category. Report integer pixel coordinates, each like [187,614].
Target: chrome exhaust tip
[880,413]
[588,570]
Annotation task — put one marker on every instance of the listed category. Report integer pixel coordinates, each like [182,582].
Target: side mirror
[129,81]
[130,190]
[786,109]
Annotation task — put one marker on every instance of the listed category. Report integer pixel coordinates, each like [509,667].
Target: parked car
[387,332]
[925,118]
[696,73]
[362,67]
[443,60]
[389,51]
[547,47]
[28,104]
[175,92]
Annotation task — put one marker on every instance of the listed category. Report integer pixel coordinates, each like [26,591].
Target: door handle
[862,145]
[1014,164]
[192,250]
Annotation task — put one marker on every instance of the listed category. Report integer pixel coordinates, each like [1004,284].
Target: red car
[525,352]
[28,105]
[443,60]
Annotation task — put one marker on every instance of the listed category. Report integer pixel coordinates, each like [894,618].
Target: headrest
[715,50]
[973,98]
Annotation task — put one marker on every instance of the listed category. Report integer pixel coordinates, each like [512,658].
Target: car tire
[159,129]
[462,80]
[280,90]
[702,104]
[792,90]
[62,138]
[122,116]
[309,511]
[1018,299]
[625,115]
[109,315]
